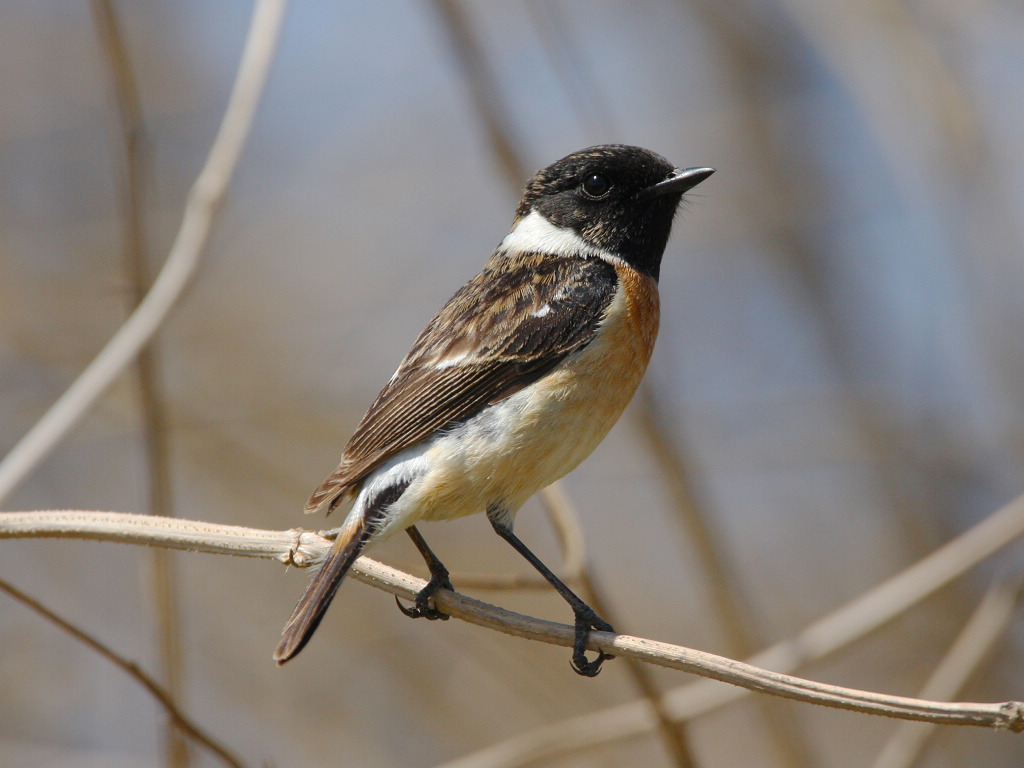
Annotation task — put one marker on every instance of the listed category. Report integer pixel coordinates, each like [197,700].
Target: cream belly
[519,445]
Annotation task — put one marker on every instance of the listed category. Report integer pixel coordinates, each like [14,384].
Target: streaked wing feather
[507,327]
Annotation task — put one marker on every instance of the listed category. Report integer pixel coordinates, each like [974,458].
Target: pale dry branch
[304,547]
[570,538]
[130,341]
[718,573]
[972,646]
[566,522]
[204,199]
[132,173]
[565,516]
[852,621]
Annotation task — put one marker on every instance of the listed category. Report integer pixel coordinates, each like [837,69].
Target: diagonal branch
[304,548]
[972,646]
[847,624]
[179,718]
[132,172]
[204,200]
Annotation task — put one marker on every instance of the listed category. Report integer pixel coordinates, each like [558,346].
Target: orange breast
[536,436]
[641,314]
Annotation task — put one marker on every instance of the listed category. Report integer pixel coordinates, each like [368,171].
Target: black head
[618,198]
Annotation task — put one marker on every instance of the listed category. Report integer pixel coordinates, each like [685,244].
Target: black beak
[681,180]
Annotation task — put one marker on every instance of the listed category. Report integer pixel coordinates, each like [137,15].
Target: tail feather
[321,590]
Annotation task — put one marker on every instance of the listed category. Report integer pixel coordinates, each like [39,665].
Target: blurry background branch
[204,199]
[133,172]
[187,727]
[151,307]
[985,627]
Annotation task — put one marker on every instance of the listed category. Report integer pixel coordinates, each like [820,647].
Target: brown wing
[504,329]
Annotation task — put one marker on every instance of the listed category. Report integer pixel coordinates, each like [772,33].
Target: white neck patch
[534,233]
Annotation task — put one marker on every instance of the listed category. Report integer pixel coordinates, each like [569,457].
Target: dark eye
[595,185]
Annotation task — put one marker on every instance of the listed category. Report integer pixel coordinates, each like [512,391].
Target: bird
[515,381]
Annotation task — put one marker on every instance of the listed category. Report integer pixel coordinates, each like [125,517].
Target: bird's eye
[595,185]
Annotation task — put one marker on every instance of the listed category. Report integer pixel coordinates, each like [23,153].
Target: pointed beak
[681,180]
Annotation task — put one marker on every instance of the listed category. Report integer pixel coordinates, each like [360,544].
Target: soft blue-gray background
[841,359]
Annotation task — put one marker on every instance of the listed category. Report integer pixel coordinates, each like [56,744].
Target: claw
[580,663]
[412,613]
[422,609]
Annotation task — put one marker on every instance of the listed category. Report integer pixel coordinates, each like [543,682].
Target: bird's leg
[585,616]
[438,580]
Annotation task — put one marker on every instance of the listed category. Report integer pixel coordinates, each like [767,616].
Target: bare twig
[477,74]
[204,199]
[570,537]
[673,735]
[972,646]
[566,521]
[852,621]
[303,547]
[162,696]
[153,410]
[557,35]
[561,511]
[718,572]
[203,202]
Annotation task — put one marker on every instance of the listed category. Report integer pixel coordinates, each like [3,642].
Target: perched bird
[516,380]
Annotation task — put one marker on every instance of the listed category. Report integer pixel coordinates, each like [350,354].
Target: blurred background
[838,386]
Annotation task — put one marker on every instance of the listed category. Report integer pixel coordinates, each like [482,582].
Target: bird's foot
[423,609]
[586,621]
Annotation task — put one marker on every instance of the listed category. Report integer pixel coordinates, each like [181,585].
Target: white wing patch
[448,362]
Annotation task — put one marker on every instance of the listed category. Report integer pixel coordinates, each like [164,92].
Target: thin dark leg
[585,616]
[438,580]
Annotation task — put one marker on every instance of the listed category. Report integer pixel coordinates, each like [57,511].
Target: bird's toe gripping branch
[586,621]
[422,608]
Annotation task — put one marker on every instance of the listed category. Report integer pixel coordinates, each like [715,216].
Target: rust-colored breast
[641,313]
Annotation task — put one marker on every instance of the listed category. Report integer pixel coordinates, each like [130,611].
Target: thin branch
[483,89]
[717,571]
[570,537]
[181,720]
[972,646]
[562,511]
[718,574]
[566,522]
[204,199]
[673,735]
[304,547]
[557,36]
[134,177]
[849,623]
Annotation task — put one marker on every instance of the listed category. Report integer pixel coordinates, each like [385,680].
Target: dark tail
[318,595]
